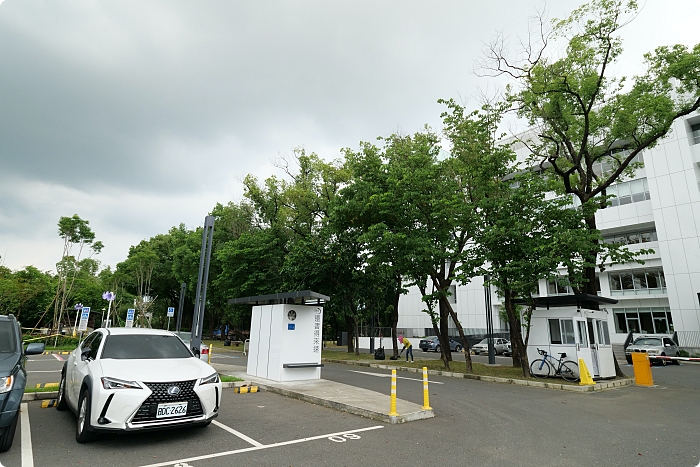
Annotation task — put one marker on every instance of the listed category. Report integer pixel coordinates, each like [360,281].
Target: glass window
[554,331]
[627,281]
[646,322]
[567,331]
[620,323]
[605,335]
[8,337]
[645,237]
[615,282]
[633,238]
[695,131]
[640,280]
[582,334]
[662,279]
[95,345]
[144,346]
[652,279]
[452,298]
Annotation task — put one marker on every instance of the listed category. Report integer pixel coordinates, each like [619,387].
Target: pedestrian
[407,346]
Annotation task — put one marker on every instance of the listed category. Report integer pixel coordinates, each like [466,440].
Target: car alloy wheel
[82,431]
[61,398]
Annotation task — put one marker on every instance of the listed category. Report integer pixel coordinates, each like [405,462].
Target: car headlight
[210,379]
[652,352]
[113,383]
[6,383]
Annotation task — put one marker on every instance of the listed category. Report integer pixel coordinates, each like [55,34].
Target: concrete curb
[39,396]
[351,409]
[598,387]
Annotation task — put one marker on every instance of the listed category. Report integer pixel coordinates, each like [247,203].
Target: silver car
[483,346]
[653,345]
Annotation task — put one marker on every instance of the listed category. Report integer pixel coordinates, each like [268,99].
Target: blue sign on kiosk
[290,326]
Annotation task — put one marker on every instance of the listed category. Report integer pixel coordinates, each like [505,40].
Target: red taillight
[205,351]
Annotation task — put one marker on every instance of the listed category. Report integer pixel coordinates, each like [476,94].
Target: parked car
[653,344]
[13,376]
[507,350]
[433,343]
[126,379]
[483,346]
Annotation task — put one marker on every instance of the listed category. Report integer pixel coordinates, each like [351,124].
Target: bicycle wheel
[569,371]
[540,368]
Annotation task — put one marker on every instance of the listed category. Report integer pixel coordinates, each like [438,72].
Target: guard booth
[570,324]
[286,332]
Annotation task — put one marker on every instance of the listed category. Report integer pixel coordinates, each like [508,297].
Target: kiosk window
[561,331]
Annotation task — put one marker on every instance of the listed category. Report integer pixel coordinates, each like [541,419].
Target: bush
[684,353]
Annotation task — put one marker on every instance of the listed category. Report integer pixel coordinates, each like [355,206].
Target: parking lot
[476,424]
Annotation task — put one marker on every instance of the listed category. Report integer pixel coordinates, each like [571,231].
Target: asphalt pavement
[476,424]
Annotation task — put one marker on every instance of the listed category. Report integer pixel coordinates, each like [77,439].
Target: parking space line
[237,433]
[58,357]
[258,448]
[27,454]
[382,375]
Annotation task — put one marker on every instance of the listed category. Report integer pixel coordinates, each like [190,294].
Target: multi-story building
[659,209]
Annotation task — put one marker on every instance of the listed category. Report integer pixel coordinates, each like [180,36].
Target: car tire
[82,425]
[61,398]
[662,361]
[677,362]
[7,434]
[629,360]
[437,348]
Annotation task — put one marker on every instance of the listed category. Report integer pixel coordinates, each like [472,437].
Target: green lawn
[229,379]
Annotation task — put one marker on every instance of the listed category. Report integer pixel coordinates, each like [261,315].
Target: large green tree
[590,126]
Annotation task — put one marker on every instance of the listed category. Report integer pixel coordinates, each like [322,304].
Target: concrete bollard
[426,394]
[392,410]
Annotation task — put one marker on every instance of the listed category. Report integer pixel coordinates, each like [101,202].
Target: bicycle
[541,368]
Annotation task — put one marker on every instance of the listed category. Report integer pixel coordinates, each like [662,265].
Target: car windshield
[144,346]
[647,341]
[7,337]
[485,342]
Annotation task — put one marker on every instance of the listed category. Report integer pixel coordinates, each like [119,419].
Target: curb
[39,396]
[598,387]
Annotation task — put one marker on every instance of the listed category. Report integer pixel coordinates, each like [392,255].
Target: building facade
[659,209]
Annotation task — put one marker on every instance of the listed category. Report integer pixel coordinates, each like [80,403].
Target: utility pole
[202,279]
[183,287]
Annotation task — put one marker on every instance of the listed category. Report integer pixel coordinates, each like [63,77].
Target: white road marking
[58,357]
[27,454]
[382,375]
[258,448]
[237,433]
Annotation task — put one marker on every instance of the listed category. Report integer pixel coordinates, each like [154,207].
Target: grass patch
[220,345]
[51,389]
[458,365]
[230,379]
[61,347]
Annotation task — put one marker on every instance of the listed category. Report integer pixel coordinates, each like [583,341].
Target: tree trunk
[516,333]
[395,317]
[357,336]
[348,326]
[591,257]
[463,338]
[443,336]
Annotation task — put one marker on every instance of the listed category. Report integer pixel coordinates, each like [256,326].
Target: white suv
[133,379]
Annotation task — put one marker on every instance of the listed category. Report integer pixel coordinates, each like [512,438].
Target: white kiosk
[286,335]
[568,324]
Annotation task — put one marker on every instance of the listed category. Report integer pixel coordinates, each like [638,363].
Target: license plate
[175,409]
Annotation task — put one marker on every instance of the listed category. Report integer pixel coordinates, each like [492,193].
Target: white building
[659,209]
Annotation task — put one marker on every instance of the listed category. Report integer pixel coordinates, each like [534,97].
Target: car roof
[135,331]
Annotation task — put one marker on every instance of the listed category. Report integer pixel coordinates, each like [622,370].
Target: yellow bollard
[209,357]
[642,369]
[393,412]
[426,396]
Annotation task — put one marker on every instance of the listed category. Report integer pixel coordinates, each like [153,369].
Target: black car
[13,376]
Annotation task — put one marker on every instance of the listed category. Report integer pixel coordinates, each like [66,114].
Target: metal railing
[689,339]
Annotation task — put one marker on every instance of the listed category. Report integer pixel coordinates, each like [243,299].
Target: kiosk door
[583,347]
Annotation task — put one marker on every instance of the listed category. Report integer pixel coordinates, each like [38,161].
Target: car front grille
[147,411]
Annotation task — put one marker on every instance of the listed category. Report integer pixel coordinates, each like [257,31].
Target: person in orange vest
[407,346]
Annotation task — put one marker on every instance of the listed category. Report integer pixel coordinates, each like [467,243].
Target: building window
[561,331]
[631,238]
[695,130]
[643,320]
[607,164]
[452,298]
[638,282]
[559,286]
[628,192]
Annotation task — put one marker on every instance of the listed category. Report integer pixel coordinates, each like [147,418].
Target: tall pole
[183,288]
[489,319]
[201,292]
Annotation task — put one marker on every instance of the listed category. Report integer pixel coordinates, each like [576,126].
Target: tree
[584,118]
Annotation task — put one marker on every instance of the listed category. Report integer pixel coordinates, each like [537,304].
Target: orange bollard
[642,369]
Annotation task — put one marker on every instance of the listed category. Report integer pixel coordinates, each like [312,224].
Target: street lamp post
[78,308]
[102,319]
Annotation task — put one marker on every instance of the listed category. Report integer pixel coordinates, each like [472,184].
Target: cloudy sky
[140,115]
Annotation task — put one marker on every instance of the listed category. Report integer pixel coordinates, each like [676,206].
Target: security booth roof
[583,300]
[303,297]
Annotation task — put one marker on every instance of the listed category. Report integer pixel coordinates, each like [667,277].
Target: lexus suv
[13,376]
[127,379]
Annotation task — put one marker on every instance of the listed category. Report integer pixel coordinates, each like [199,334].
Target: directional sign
[130,318]
[171,312]
[84,316]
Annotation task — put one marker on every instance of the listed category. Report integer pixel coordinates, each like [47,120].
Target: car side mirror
[35,348]
[668,345]
[85,353]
